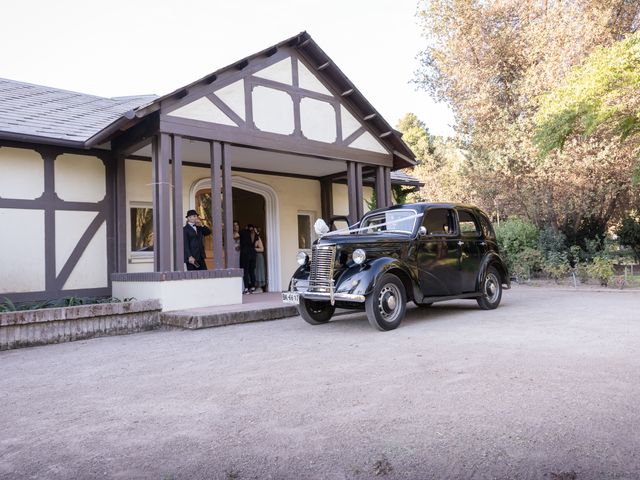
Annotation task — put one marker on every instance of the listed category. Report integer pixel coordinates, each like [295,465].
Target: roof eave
[25,138]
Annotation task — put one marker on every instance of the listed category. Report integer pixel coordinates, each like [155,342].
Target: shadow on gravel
[445,311]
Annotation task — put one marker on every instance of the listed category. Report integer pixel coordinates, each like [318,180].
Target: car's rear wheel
[387,303]
[490,290]
[315,313]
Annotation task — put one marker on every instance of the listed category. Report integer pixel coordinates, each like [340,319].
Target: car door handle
[460,243]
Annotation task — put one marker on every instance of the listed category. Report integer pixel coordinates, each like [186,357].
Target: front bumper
[333,297]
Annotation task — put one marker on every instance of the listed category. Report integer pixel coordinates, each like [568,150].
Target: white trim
[272,219]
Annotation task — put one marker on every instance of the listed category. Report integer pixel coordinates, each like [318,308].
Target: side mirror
[422,231]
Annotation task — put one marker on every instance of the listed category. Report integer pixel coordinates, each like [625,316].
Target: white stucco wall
[21,173]
[80,178]
[22,250]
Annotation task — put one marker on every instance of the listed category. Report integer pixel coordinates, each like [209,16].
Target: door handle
[460,243]
[483,243]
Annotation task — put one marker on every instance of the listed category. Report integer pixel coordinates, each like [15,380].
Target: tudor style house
[93,191]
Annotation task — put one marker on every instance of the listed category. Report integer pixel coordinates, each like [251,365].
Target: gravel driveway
[545,387]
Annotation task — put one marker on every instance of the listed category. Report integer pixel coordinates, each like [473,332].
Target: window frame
[312,234]
[138,256]
[478,230]
[453,215]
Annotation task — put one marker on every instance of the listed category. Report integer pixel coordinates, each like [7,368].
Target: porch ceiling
[197,152]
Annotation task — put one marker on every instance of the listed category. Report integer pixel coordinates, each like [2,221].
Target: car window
[468,224]
[439,221]
[487,228]
[399,221]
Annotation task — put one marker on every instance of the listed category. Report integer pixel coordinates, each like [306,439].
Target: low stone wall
[55,325]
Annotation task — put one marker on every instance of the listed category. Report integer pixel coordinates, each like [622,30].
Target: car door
[472,249]
[438,254]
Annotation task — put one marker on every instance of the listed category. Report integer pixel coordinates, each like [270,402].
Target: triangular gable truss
[274,98]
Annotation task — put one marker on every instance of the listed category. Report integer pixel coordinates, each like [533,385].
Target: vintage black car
[422,252]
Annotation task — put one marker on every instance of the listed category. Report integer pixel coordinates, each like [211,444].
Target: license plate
[291,297]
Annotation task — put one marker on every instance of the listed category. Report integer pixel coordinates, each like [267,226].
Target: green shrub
[582,272]
[524,264]
[514,236]
[551,241]
[629,234]
[601,269]
[557,266]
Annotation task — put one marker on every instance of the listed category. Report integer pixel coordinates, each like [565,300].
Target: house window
[304,231]
[141,229]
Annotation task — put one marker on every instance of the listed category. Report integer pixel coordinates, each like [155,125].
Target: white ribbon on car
[350,229]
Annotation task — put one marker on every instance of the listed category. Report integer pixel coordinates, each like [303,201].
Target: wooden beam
[324,65]
[385,134]
[161,203]
[351,192]
[326,199]
[359,195]
[381,193]
[216,203]
[178,212]
[346,93]
[121,215]
[371,116]
[227,206]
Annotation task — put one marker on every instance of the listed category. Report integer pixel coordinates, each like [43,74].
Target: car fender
[492,259]
[360,279]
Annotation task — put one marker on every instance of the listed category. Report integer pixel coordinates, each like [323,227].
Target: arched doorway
[255,203]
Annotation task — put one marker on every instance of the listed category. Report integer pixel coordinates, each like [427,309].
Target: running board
[449,297]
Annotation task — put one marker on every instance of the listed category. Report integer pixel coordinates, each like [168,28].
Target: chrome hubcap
[388,301]
[491,288]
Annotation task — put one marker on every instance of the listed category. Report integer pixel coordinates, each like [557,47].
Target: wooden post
[227,205]
[381,193]
[359,199]
[161,203]
[387,187]
[216,204]
[178,212]
[351,192]
[121,215]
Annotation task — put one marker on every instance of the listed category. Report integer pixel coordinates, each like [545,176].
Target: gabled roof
[35,113]
[39,113]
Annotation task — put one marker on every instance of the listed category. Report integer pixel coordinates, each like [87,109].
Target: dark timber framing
[50,203]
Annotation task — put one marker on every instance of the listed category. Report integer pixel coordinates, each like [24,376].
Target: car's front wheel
[490,290]
[387,303]
[315,313]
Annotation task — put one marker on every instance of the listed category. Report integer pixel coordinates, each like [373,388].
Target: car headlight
[301,258]
[359,256]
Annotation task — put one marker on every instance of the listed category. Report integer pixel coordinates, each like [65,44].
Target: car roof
[422,206]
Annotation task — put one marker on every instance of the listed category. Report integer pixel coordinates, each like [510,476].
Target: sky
[120,48]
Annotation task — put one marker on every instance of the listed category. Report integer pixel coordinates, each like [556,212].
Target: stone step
[207,317]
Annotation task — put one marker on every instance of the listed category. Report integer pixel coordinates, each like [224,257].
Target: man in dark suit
[194,230]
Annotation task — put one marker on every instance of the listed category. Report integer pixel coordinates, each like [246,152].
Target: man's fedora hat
[191,212]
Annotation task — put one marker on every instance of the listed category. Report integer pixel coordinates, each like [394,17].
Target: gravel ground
[544,387]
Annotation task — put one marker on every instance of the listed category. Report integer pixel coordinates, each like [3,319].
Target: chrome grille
[322,260]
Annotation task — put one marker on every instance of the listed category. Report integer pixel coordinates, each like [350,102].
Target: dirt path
[545,387]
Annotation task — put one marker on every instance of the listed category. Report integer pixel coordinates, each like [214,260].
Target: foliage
[516,234]
[557,265]
[8,306]
[551,241]
[603,92]
[582,272]
[629,233]
[601,269]
[492,62]
[523,265]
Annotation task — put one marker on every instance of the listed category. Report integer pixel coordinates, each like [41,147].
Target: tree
[629,234]
[602,95]
[492,62]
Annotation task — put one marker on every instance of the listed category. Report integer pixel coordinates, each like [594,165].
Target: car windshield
[398,221]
